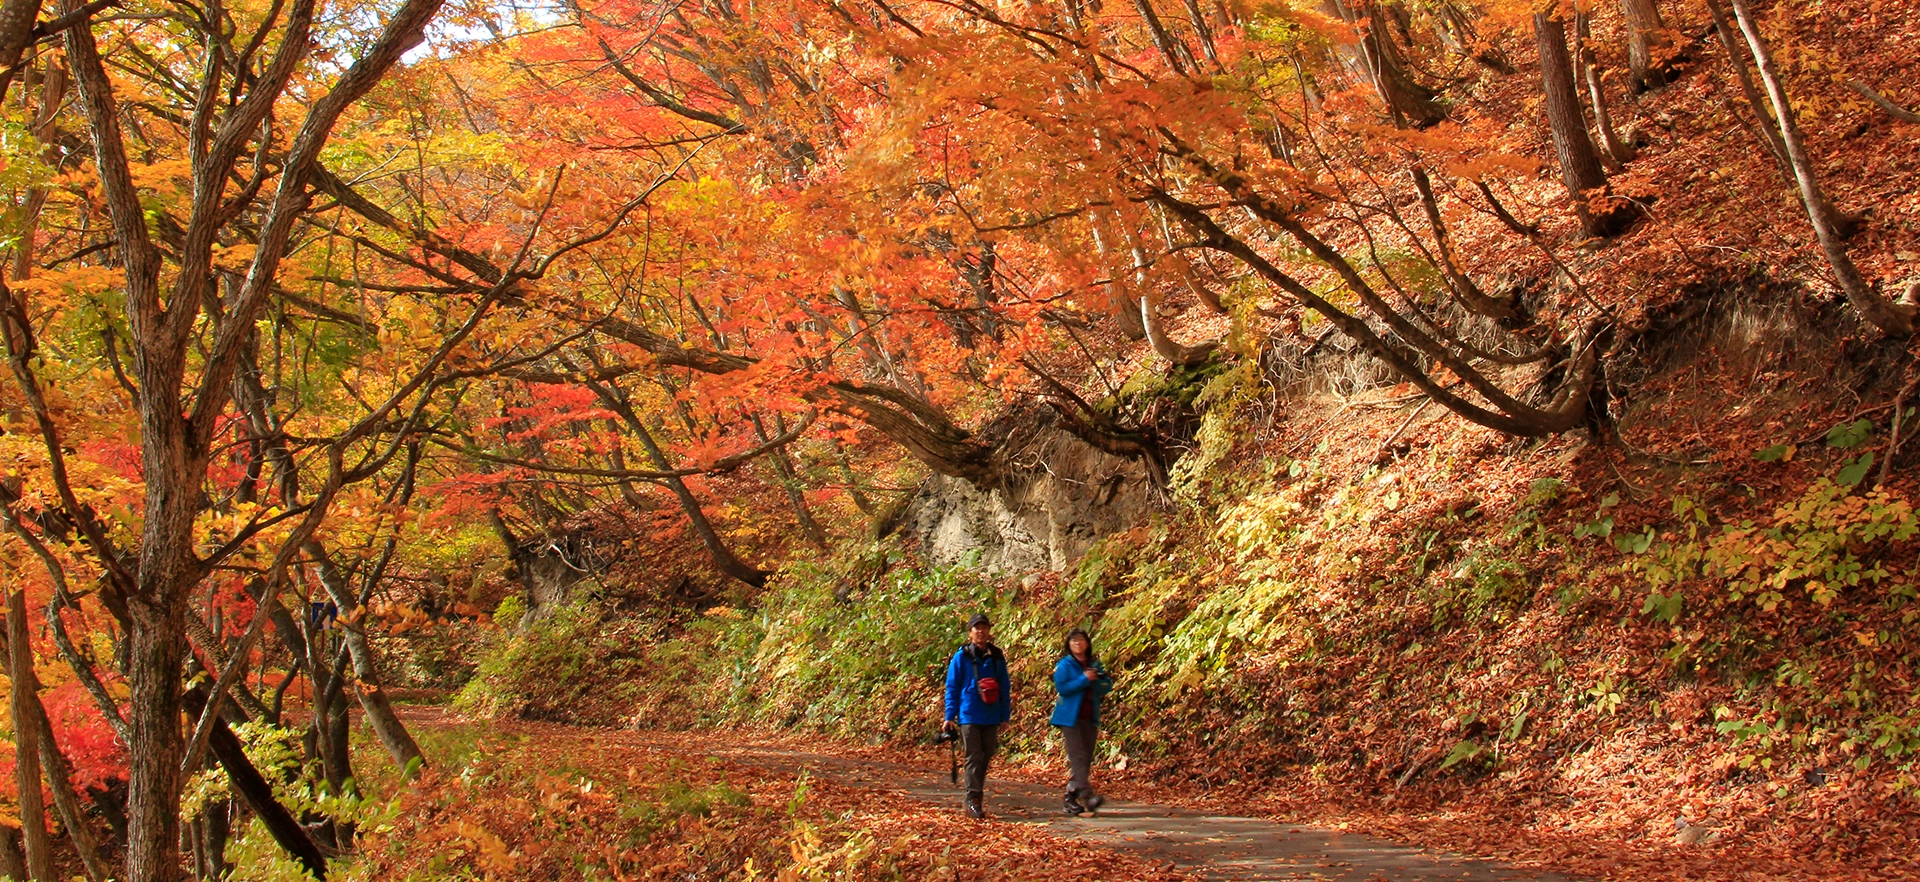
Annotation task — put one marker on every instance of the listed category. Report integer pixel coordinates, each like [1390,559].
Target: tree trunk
[1769,135]
[1124,311]
[1618,151]
[859,496]
[1646,38]
[1178,56]
[723,557]
[1203,32]
[16,30]
[215,830]
[1893,318]
[73,815]
[366,673]
[1463,287]
[1580,168]
[13,862]
[1164,346]
[256,792]
[1383,61]
[153,772]
[789,481]
[26,741]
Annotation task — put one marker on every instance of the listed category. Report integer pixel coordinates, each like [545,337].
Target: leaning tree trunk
[33,739]
[378,711]
[73,815]
[723,557]
[788,477]
[1617,150]
[1580,168]
[1384,63]
[1769,136]
[1882,312]
[253,789]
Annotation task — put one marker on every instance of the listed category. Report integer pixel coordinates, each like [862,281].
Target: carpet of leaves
[515,800]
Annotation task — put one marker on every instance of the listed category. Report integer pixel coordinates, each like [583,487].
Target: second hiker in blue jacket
[979,699]
[1082,682]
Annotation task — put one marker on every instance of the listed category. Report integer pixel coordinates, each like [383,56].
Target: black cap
[978,620]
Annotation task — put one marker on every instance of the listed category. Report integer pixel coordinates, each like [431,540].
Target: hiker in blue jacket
[979,699]
[1081,681]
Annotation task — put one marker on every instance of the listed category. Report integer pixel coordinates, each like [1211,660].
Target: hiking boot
[974,810]
[1072,806]
[1092,801]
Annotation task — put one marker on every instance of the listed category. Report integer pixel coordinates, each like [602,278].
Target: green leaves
[1602,526]
[1634,543]
[1465,751]
[1849,435]
[1856,471]
[1665,607]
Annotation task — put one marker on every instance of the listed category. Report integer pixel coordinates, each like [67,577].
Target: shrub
[569,666]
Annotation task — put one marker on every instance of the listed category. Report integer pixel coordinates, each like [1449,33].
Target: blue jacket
[964,673]
[1071,681]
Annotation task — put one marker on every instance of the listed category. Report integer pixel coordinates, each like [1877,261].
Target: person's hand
[950,726]
[1091,673]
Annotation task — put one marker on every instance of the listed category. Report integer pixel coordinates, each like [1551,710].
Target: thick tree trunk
[26,741]
[153,774]
[1882,312]
[1580,168]
[16,30]
[1646,39]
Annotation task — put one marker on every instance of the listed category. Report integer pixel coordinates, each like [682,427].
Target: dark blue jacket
[963,695]
[1071,681]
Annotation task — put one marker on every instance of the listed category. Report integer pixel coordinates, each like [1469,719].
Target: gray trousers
[1080,740]
[980,743]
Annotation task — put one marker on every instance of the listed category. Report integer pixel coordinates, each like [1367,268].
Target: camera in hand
[945,736]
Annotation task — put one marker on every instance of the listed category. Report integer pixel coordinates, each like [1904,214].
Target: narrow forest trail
[1140,840]
[1208,846]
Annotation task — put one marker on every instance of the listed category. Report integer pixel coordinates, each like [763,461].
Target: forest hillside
[432,431]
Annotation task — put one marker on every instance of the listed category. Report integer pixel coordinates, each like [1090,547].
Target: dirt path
[1177,841]
[1210,846]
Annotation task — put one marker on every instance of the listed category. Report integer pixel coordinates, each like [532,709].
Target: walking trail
[1210,846]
